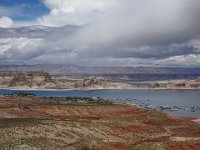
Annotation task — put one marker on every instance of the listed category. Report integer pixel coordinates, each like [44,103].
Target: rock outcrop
[98,82]
[178,84]
[31,79]
[94,81]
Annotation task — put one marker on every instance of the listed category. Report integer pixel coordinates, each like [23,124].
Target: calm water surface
[180,103]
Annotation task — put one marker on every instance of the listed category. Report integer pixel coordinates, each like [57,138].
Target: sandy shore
[196,120]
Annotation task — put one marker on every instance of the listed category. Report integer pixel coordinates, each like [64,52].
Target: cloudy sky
[100,32]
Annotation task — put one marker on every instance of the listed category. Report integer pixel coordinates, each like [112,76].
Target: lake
[179,103]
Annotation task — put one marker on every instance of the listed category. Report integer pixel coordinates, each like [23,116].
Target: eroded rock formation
[24,79]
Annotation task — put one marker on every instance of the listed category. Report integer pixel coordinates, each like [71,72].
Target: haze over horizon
[100,32]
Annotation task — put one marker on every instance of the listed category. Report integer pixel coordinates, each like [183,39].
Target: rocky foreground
[28,122]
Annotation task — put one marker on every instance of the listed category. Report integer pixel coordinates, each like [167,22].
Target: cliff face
[25,79]
[94,81]
[97,82]
[178,84]
[42,80]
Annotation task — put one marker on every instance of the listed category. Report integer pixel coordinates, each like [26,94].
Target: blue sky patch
[23,10]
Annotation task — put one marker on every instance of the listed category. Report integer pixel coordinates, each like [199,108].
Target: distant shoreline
[196,120]
[91,89]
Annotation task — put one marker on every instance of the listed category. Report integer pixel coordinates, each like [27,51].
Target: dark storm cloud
[141,29]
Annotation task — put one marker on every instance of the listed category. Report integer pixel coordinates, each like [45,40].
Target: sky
[22,10]
[101,32]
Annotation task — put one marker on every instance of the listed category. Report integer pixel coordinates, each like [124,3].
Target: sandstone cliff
[33,79]
[94,81]
[97,82]
[178,84]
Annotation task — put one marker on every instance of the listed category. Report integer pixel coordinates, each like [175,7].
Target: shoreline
[196,120]
[93,89]
[193,119]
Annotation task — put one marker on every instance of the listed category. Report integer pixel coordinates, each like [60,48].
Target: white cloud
[77,12]
[5,22]
[19,48]
[183,60]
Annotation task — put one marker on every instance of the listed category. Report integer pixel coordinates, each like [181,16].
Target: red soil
[118,146]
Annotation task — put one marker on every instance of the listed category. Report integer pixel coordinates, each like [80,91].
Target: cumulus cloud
[5,22]
[77,12]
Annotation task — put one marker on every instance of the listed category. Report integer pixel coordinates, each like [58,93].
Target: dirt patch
[184,147]
[183,139]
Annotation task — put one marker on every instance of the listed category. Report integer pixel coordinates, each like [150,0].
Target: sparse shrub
[23,94]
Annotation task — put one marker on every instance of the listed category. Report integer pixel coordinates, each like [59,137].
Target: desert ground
[28,122]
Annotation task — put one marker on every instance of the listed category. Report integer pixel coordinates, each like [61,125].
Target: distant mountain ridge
[75,69]
[111,73]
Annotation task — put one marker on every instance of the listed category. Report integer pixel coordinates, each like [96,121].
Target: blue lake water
[180,103]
